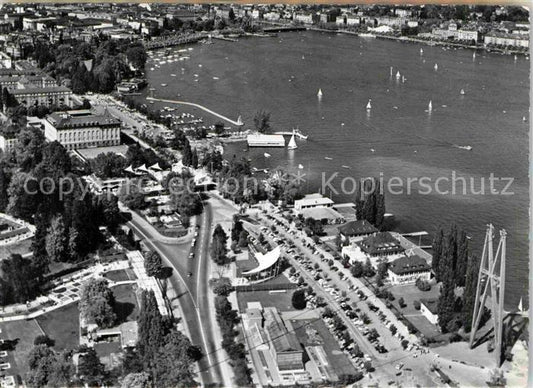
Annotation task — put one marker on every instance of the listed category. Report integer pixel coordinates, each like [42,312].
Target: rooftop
[80,119]
[282,339]
[409,264]
[357,228]
[431,304]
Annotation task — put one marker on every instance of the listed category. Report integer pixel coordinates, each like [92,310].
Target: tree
[219,249]
[416,304]
[20,280]
[231,15]
[262,121]
[5,178]
[56,240]
[368,270]
[153,264]
[469,295]
[152,329]
[90,369]
[97,303]
[219,128]
[187,154]
[136,380]
[43,339]
[401,302]
[221,286]
[173,364]
[357,269]
[445,307]
[108,165]
[462,259]
[298,299]
[137,56]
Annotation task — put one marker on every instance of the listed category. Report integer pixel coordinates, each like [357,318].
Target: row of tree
[370,202]
[454,266]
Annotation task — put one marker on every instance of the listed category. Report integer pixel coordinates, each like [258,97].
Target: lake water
[397,138]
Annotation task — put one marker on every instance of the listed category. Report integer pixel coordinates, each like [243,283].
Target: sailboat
[462,92]
[319,94]
[369,105]
[398,75]
[430,106]
[391,71]
[421,51]
[239,121]
[515,57]
[474,55]
[303,57]
[403,79]
[301,167]
[267,155]
[292,143]
[436,67]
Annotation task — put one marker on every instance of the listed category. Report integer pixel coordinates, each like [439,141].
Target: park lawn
[23,333]
[63,326]
[119,275]
[281,300]
[21,247]
[126,306]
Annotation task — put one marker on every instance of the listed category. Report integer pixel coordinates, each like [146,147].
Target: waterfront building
[408,269]
[261,140]
[325,215]
[312,201]
[82,129]
[358,228]
[428,308]
[305,18]
[380,244]
[504,39]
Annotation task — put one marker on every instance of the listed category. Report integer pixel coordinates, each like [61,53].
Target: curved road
[191,290]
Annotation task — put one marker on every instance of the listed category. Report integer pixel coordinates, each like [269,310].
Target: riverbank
[423,41]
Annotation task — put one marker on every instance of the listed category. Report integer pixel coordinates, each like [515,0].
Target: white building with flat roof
[313,201]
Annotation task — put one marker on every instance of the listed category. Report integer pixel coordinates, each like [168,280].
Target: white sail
[462,91]
[239,121]
[436,66]
[391,71]
[520,306]
[403,79]
[319,94]
[267,155]
[474,55]
[398,75]
[369,105]
[421,51]
[301,167]
[292,143]
[430,106]
[515,57]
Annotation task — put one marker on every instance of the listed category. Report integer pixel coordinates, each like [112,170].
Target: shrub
[401,302]
[416,304]
[298,300]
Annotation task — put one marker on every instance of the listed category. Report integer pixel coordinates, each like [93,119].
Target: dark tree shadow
[166,272]
[123,310]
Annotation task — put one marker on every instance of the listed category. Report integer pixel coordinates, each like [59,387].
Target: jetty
[174,40]
[236,123]
[289,133]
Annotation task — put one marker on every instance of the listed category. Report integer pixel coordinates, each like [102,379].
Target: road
[191,291]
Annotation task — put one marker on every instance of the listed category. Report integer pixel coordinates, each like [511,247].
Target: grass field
[63,326]
[120,275]
[23,333]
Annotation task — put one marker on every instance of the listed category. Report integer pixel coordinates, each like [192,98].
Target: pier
[236,123]
[175,40]
[284,29]
[297,133]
